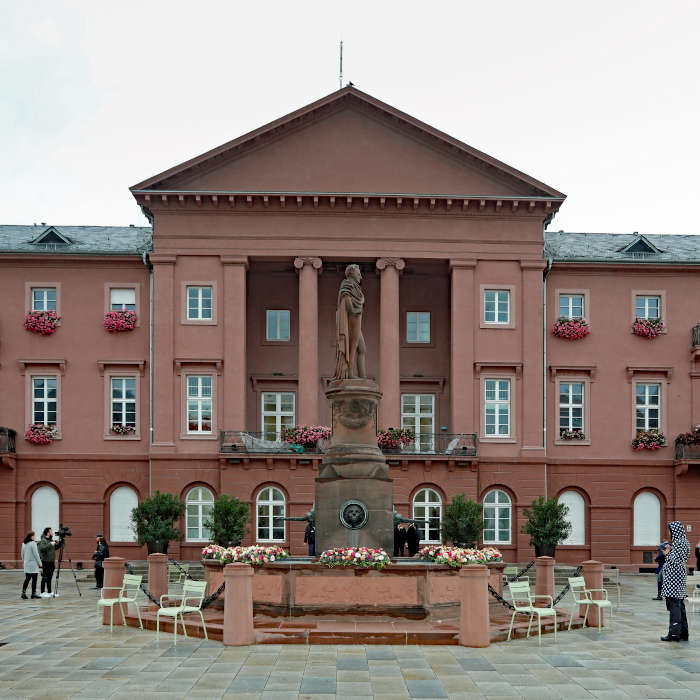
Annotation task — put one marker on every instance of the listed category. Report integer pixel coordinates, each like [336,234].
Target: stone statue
[308,517]
[350,343]
[399,519]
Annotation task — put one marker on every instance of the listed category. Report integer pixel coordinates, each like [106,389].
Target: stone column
[474,624]
[308,385]
[234,393]
[464,308]
[389,333]
[593,575]
[544,581]
[114,576]
[157,576]
[238,605]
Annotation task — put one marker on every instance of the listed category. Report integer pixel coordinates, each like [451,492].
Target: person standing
[673,586]
[399,539]
[660,559]
[32,564]
[47,552]
[413,538]
[101,553]
[697,558]
[310,537]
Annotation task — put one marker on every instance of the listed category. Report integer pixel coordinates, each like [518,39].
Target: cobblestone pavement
[56,648]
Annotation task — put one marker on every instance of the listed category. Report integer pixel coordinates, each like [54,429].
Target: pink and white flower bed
[306,435]
[41,322]
[117,321]
[254,554]
[362,557]
[40,434]
[120,429]
[459,556]
[571,328]
[648,327]
[395,438]
[649,440]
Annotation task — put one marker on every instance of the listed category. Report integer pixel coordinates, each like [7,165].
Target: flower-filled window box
[649,440]
[571,328]
[362,557]
[575,434]
[254,554]
[40,434]
[117,321]
[41,322]
[691,438]
[306,435]
[395,438]
[120,429]
[648,327]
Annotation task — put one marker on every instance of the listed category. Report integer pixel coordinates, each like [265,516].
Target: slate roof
[608,247]
[96,240]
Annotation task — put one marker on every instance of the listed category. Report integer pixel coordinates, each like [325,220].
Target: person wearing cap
[101,553]
[673,586]
[660,559]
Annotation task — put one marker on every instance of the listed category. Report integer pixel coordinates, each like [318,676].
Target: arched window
[576,516]
[427,507]
[497,517]
[200,504]
[121,502]
[45,510]
[647,519]
[270,513]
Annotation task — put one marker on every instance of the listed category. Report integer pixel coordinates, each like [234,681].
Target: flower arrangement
[571,328]
[306,435]
[575,434]
[42,322]
[691,438]
[116,321]
[459,556]
[648,327]
[649,440]
[254,554]
[40,434]
[362,557]
[120,429]
[395,438]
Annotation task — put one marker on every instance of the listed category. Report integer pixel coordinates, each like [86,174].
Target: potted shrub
[463,522]
[648,327]
[42,322]
[649,440]
[228,521]
[154,521]
[571,328]
[547,525]
[40,434]
[117,321]
[395,438]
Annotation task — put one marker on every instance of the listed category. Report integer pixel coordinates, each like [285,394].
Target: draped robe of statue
[350,290]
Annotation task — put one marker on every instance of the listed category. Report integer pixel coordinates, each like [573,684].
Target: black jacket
[399,540]
[413,538]
[101,553]
[310,534]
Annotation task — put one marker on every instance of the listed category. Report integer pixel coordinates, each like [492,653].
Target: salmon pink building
[171,357]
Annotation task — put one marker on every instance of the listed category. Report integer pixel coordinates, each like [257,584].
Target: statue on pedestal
[349,341]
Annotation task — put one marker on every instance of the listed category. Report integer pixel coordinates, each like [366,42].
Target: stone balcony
[8,447]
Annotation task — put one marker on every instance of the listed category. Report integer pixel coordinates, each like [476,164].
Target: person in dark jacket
[399,540]
[673,587]
[697,558]
[101,553]
[310,537]
[660,559]
[47,551]
[413,538]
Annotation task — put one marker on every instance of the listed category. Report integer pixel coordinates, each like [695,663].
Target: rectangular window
[571,306]
[123,401]
[647,306]
[43,299]
[199,304]
[571,406]
[497,407]
[277,325]
[497,306]
[648,406]
[418,414]
[418,326]
[122,300]
[277,413]
[44,400]
[199,404]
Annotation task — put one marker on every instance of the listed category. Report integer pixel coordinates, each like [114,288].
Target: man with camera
[47,552]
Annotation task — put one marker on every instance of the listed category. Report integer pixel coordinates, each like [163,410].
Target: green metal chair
[524,603]
[128,593]
[582,596]
[192,596]
[509,571]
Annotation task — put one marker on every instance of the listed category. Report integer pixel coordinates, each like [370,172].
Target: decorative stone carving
[349,341]
[353,514]
[316,263]
[353,413]
[398,263]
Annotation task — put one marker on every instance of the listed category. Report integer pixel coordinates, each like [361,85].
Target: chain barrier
[210,599]
[522,572]
[143,588]
[565,590]
[500,598]
[180,569]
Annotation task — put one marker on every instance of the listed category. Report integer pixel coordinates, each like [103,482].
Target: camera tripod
[62,547]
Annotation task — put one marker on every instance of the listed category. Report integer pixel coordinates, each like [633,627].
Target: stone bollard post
[114,576]
[474,623]
[238,605]
[593,574]
[544,581]
[157,576]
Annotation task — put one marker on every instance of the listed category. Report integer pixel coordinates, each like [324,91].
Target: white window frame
[268,504]
[45,304]
[44,401]
[497,507]
[496,404]
[201,503]
[498,295]
[420,320]
[123,402]
[569,296]
[645,406]
[122,305]
[198,313]
[278,325]
[646,299]
[278,413]
[421,512]
[570,406]
[117,516]
[425,440]
[199,401]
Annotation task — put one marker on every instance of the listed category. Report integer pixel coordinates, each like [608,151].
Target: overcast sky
[597,99]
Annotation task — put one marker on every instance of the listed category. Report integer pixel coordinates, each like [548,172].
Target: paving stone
[478,664]
[363,689]
[351,663]
[425,689]
[247,684]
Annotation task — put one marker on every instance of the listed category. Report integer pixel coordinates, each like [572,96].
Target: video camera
[63,532]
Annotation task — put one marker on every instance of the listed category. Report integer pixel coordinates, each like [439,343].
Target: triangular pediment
[51,236]
[348,142]
[640,245]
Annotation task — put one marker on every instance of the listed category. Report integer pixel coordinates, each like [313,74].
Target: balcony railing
[688,452]
[8,438]
[241,442]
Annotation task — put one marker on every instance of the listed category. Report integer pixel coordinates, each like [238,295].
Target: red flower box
[649,440]
[571,328]
[42,322]
[648,327]
[117,321]
[40,434]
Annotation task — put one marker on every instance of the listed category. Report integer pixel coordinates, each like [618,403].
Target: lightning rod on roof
[340,78]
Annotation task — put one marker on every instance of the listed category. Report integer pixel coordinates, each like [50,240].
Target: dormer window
[52,237]
[641,246]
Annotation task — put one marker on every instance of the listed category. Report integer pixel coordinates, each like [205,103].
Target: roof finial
[340,79]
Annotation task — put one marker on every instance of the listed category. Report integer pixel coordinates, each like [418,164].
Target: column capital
[316,263]
[462,264]
[398,263]
[234,260]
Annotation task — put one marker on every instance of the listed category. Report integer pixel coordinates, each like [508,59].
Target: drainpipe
[548,269]
[149,265]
